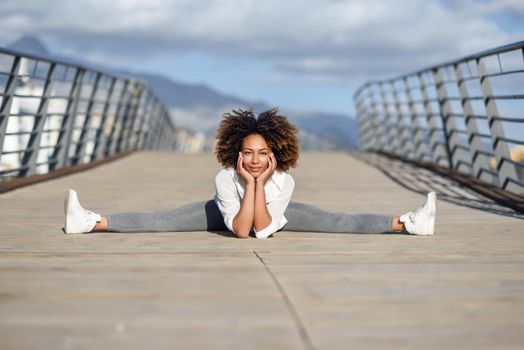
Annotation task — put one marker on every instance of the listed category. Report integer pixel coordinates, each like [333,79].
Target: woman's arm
[243,221]
[262,217]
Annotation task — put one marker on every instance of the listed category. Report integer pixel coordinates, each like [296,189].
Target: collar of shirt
[272,188]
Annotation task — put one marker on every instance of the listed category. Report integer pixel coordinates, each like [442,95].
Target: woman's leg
[306,217]
[196,216]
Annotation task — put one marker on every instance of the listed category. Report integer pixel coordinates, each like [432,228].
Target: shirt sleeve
[226,198]
[277,207]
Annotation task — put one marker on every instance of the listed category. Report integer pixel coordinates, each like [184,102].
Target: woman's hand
[247,177]
[270,170]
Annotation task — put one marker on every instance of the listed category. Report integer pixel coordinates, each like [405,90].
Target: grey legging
[205,216]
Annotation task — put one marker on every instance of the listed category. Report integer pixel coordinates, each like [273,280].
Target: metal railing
[466,115]
[55,114]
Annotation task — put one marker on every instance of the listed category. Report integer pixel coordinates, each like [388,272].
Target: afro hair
[280,135]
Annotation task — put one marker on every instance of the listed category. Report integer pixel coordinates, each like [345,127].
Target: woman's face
[255,153]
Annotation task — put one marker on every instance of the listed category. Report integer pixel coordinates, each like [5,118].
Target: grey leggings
[205,216]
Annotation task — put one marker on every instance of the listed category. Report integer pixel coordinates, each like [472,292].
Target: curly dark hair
[280,135]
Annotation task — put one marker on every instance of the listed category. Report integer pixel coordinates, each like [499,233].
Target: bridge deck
[462,288]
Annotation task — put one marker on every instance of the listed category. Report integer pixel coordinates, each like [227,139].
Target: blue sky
[301,54]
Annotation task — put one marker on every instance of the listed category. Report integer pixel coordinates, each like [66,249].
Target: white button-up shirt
[230,188]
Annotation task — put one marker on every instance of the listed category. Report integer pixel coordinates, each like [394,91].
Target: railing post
[7,100]
[86,130]
[33,147]
[391,128]
[420,147]
[405,133]
[363,119]
[479,160]
[455,153]
[115,128]
[376,122]
[139,89]
[143,120]
[506,170]
[61,152]
[154,130]
[360,110]
[161,129]
[157,126]
[126,117]
[149,127]
[438,154]
[100,133]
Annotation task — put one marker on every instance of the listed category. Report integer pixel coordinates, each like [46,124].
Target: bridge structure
[461,288]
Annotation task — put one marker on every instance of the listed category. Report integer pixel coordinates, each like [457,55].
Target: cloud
[318,38]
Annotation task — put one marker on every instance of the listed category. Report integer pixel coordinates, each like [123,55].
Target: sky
[305,55]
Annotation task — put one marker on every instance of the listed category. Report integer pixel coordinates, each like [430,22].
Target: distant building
[188,142]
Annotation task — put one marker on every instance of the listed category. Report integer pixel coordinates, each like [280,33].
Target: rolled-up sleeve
[226,198]
[276,209]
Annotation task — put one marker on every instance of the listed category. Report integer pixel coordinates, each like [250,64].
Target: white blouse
[230,188]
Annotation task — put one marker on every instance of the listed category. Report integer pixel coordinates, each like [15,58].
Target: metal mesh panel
[55,114]
[465,115]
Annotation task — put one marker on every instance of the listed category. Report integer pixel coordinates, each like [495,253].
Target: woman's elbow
[239,231]
[242,234]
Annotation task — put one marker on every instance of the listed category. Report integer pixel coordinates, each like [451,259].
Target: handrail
[56,114]
[442,114]
[478,55]
[50,59]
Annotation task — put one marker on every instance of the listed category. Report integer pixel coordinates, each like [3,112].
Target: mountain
[29,44]
[191,95]
[341,130]
[198,107]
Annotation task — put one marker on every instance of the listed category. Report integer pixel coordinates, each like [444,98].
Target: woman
[253,193]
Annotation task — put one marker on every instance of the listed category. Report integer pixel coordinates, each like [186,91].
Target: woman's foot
[422,221]
[78,219]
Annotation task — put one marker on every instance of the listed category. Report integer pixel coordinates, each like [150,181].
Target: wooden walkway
[462,288]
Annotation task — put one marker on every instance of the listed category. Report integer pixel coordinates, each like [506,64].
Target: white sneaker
[422,221]
[78,219]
